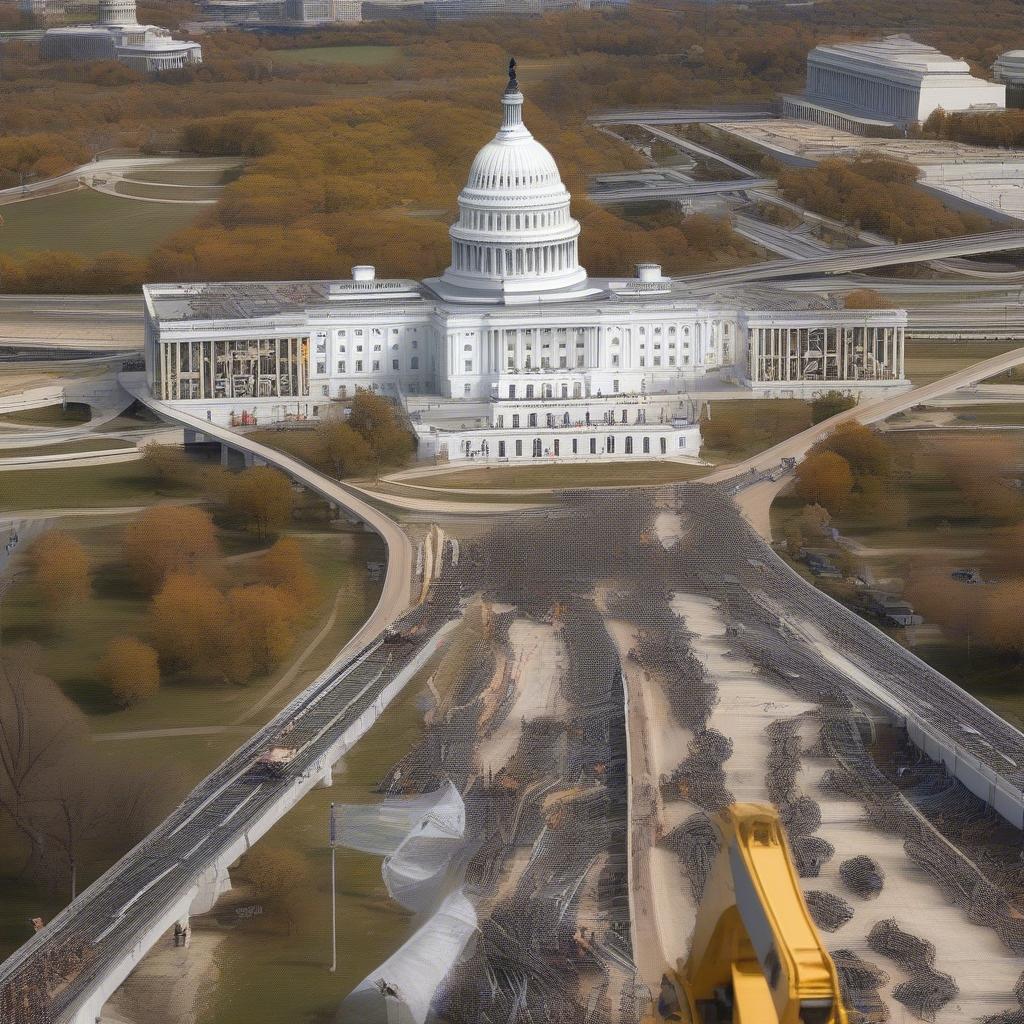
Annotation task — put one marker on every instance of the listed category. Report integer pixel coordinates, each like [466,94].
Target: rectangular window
[325,389]
[341,366]
[501,449]
[359,366]
[469,366]
[394,364]
[414,363]
[519,447]
[376,364]
[615,387]
[593,446]
[321,367]
[575,446]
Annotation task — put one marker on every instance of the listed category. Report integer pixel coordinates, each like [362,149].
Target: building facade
[890,83]
[556,363]
[1009,69]
[116,35]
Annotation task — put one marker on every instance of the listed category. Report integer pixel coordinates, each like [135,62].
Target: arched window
[629,445]
[537,449]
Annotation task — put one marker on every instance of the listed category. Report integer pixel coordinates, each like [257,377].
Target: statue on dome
[513,84]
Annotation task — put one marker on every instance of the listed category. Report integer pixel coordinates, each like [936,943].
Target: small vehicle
[272,763]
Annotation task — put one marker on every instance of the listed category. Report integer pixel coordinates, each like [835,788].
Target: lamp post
[334,896]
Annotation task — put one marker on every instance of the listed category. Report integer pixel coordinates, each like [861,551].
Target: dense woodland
[312,200]
[1005,128]
[877,195]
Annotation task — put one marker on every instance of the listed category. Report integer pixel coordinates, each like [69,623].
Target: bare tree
[38,727]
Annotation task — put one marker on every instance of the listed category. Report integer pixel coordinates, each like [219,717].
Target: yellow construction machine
[756,956]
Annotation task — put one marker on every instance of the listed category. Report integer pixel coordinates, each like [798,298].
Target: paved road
[113,169]
[661,190]
[864,259]
[643,117]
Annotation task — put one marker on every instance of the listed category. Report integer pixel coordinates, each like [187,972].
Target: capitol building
[514,352]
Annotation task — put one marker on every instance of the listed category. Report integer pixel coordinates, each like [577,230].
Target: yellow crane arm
[756,956]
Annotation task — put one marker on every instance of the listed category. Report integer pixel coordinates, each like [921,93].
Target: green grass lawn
[126,483]
[192,172]
[354,56]
[598,474]
[82,444]
[928,360]
[991,414]
[88,223]
[59,415]
[739,428]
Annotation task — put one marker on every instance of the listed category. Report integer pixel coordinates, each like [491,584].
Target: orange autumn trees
[60,570]
[167,539]
[131,669]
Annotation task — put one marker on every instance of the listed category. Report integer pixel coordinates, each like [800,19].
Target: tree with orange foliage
[824,479]
[260,630]
[375,419]
[60,569]
[262,498]
[131,669]
[348,452]
[187,621]
[865,298]
[864,449]
[167,539]
[283,566]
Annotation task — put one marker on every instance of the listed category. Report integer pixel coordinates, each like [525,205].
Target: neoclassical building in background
[117,35]
[514,352]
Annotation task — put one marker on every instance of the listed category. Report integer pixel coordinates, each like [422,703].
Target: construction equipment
[756,956]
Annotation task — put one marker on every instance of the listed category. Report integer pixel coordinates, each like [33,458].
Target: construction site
[617,681]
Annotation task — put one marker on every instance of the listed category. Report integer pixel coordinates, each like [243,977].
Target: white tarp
[401,990]
[417,837]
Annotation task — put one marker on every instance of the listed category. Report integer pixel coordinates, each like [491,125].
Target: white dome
[513,164]
[515,234]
